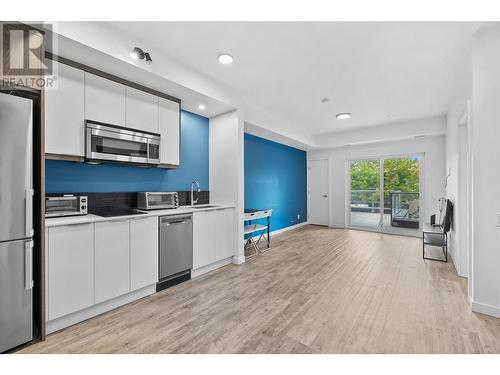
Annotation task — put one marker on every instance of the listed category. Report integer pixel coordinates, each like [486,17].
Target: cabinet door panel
[105,100]
[225,233]
[169,129]
[143,252]
[112,259]
[70,269]
[142,110]
[64,113]
[203,238]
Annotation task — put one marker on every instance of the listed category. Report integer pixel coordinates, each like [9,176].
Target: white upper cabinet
[64,113]
[142,110]
[112,259]
[169,129]
[143,252]
[105,100]
[70,269]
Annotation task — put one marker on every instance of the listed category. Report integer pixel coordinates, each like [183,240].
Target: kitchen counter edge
[91,218]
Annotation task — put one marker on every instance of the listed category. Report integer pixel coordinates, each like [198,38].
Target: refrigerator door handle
[28,265]
[29,212]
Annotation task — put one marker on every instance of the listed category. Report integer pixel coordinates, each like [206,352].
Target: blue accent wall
[63,176]
[275,177]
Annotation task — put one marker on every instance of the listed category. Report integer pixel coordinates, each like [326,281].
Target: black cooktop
[117,212]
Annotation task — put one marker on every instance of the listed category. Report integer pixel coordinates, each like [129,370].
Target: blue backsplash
[276,177]
[63,176]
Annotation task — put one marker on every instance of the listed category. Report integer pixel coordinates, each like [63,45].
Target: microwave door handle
[29,212]
[147,150]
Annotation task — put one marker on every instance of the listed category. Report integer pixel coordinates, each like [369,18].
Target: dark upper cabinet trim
[109,76]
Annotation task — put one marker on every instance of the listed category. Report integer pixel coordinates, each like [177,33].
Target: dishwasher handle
[175,222]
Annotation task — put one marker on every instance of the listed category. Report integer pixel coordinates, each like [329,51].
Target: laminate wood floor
[319,290]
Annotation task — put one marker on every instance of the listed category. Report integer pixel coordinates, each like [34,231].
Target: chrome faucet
[193,201]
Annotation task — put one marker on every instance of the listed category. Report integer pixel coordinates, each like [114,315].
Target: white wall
[456,237]
[486,170]
[433,149]
[226,175]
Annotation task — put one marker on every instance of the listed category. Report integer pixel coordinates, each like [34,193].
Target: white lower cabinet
[117,260]
[143,252]
[224,242]
[213,236]
[112,259]
[203,238]
[70,269]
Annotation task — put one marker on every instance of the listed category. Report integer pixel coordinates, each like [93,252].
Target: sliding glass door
[385,194]
[365,194]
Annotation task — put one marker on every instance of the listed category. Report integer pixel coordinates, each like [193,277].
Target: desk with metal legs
[435,236]
[252,214]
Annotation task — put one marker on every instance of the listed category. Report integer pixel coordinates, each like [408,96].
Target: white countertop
[91,218]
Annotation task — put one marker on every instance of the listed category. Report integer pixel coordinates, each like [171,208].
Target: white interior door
[318,192]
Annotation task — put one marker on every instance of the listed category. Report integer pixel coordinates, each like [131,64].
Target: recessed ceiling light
[201,107]
[343,116]
[225,58]
[325,100]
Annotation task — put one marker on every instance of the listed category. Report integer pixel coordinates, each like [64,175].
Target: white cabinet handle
[28,265]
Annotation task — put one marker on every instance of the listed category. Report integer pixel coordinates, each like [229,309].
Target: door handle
[29,212]
[28,265]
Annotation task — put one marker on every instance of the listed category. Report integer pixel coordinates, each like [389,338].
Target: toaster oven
[157,200]
[66,205]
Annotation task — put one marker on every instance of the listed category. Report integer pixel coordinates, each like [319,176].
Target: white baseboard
[282,230]
[211,267]
[291,227]
[90,312]
[484,308]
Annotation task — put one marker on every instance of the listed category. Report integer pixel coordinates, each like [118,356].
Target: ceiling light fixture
[225,59]
[201,107]
[138,54]
[343,116]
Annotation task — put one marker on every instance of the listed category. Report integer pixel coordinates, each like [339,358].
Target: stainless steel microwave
[66,205]
[157,200]
[104,142]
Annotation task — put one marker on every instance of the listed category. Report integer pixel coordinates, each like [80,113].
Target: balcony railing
[400,209]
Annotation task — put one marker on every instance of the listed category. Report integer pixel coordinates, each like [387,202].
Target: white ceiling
[380,71]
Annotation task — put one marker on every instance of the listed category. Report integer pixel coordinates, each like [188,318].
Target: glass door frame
[381,228]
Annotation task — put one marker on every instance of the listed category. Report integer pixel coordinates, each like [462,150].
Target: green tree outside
[399,175]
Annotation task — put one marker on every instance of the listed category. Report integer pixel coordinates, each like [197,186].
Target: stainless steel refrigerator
[16,221]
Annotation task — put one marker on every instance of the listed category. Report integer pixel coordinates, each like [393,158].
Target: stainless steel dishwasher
[176,250]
